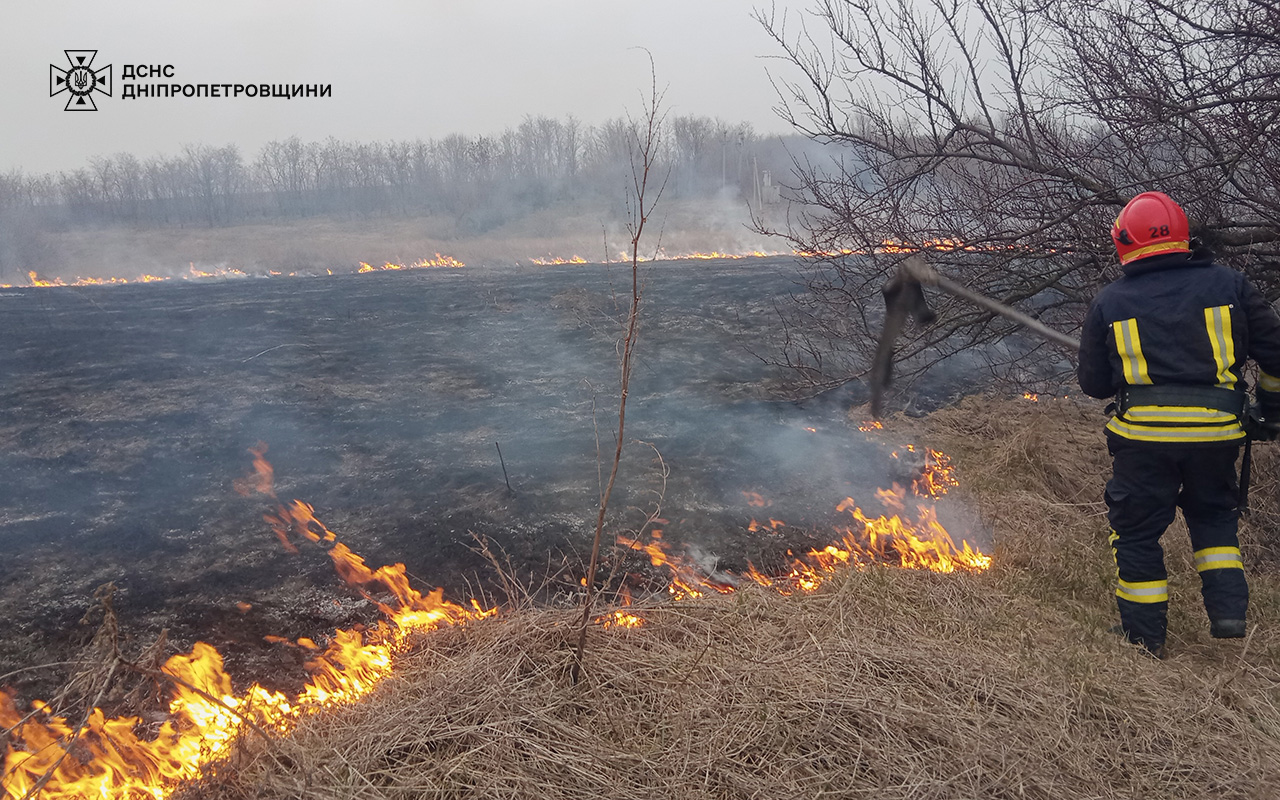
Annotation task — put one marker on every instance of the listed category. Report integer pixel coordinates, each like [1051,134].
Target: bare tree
[281,166]
[645,145]
[1003,137]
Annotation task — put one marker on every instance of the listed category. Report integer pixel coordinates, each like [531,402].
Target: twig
[509,584]
[9,675]
[595,430]
[663,473]
[504,469]
[277,347]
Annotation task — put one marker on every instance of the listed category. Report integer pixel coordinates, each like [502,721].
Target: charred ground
[126,414]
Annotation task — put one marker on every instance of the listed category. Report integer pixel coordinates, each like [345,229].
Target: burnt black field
[126,414]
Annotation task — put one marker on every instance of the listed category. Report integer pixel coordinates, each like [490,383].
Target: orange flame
[620,619]
[893,246]
[924,545]
[262,480]
[111,760]
[551,261]
[937,477]
[891,539]
[661,255]
[422,263]
[687,580]
[218,272]
[36,280]
[945,245]
[193,273]
[844,251]
[205,715]
[714,254]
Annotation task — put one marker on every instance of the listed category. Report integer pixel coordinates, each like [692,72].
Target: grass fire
[206,717]
[915,607]
[35,280]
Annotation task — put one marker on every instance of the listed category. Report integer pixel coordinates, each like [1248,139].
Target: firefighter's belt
[1230,401]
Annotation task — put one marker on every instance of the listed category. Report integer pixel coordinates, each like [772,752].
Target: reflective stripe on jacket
[1174,320]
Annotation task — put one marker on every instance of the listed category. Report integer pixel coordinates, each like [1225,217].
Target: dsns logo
[81,80]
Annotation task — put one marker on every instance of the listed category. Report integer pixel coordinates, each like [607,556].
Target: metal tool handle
[922,272]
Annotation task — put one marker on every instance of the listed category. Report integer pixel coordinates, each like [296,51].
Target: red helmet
[1151,224]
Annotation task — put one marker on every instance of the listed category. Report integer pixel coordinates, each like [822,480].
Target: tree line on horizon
[483,180]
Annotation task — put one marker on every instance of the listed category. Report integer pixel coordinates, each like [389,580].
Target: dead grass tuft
[884,684]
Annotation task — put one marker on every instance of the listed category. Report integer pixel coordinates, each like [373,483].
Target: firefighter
[1169,340]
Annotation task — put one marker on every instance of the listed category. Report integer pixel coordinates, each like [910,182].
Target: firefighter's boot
[1144,624]
[1226,628]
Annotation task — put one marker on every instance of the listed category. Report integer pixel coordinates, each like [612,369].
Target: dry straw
[886,683]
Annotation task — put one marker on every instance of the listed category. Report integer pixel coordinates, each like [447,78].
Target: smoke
[130,411]
[547,187]
[320,247]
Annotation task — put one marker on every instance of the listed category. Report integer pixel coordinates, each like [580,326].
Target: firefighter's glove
[1268,427]
[1269,430]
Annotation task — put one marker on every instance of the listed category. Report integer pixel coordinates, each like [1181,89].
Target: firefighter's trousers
[1149,481]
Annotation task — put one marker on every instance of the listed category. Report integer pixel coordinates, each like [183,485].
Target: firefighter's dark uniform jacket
[1173,321]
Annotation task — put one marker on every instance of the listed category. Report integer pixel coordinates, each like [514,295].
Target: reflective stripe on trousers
[1218,558]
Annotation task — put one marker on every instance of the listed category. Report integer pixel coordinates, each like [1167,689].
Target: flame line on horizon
[887,246]
[195,274]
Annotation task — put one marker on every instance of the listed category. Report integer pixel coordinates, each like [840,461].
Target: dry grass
[884,684]
[1037,470]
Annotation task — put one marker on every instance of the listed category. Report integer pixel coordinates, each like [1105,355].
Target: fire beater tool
[904,298]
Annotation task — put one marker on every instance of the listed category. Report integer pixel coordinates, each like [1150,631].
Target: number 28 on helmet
[1150,224]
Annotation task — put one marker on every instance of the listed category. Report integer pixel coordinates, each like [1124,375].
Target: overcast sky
[400,69]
